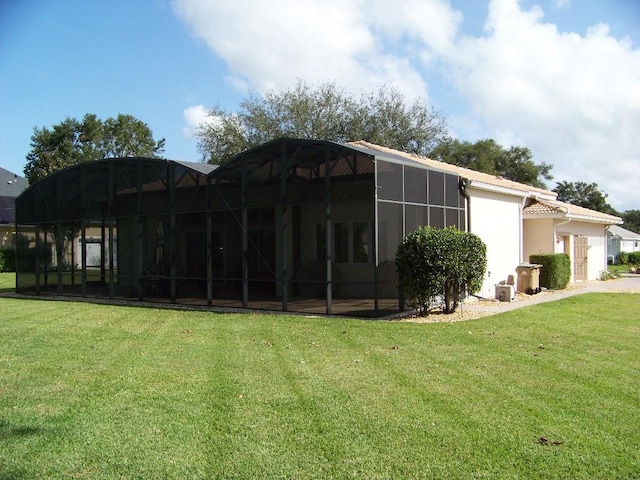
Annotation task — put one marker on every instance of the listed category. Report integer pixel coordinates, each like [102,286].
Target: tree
[442,264]
[71,142]
[583,194]
[631,220]
[488,156]
[324,112]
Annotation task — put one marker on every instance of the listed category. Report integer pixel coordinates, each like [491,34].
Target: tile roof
[537,208]
[476,178]
[543,201]
[557,209]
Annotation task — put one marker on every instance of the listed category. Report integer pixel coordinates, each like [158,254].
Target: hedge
[623,258]
[555,273]
[7,259]
[634,258]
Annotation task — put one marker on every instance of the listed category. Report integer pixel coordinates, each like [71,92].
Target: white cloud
[573,99]
[431,25]
[195,116]
[359,44]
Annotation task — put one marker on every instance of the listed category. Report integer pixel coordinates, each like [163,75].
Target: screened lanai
[293,225]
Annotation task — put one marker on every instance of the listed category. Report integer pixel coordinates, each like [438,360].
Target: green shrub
[555,273]
[623,258]
[441,264]
[7,259]
[634,258]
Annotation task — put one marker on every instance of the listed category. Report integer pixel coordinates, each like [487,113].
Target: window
[341,242]
[361,234]
[389,230]
[351,242]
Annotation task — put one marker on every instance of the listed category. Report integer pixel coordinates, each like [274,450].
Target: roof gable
[538,208]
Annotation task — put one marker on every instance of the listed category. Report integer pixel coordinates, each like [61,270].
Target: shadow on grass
[10,432]
[7,432]
[12,474]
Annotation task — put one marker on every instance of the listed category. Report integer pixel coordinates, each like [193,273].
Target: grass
[549,391]
[620,268]
[7,282]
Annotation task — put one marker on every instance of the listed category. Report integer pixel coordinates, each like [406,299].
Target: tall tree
[71,142]
[583,194]
[631,220]
[515,163]
[324,112]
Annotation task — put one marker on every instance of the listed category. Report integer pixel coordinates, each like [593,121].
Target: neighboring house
[11,185]
[621,240]
[295,225]
[553,226]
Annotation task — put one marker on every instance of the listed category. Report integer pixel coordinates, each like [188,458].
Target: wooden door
[580,258]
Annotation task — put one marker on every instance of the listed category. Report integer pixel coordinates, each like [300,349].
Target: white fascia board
[541,196]
[497,189]
[569,216]
[590,219]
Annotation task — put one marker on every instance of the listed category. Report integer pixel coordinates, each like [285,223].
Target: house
[11,185]
[293,225]
[553,226]
[516,221]
[621,240]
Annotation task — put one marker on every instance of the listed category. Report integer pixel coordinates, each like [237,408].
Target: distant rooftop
[623,233]
[11,184]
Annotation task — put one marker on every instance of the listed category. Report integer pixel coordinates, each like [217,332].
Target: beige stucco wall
[558,236]
[496,219]
[596,233]
[539,237]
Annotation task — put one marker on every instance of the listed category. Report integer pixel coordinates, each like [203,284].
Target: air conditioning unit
[505,293]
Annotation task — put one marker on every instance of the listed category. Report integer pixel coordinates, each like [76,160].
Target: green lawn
[90,391]
[7,281]
[620,268]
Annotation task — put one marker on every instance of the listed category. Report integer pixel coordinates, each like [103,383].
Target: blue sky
[561,77]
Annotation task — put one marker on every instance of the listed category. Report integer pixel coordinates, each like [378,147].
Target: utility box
[505,293]
[529,278]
